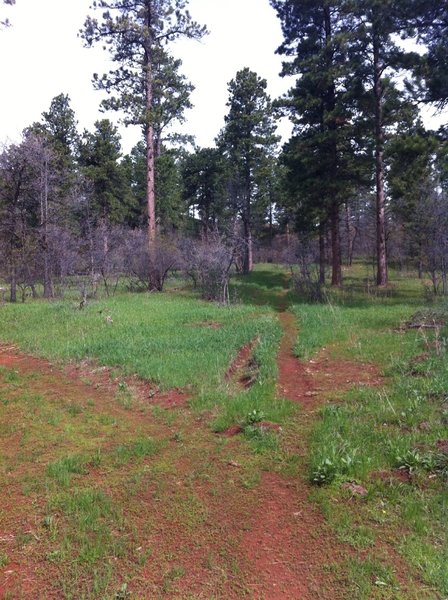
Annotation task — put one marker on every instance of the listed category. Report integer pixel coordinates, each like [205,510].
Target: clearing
[176,455]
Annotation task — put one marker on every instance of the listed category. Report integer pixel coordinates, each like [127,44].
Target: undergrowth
[387,439]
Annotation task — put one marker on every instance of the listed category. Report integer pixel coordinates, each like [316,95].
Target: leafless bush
[303,260]
[434,226]
[208,264]
[136,261]
[65,257]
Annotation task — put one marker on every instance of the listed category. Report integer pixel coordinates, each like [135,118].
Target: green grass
[113,482]
[169,340]
[378,430]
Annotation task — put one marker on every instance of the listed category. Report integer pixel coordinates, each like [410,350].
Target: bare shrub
[208,264]
[136,261]
[303,260]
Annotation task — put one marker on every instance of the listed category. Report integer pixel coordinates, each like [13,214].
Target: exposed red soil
[263,425]
[22,514]
[231,431]
[289,544]
[275,534]
[94,377]
[308,382]
[393,476]
[442,446]
[104,378]
[242,370]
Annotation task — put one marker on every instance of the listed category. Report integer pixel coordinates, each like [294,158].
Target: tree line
[359,174]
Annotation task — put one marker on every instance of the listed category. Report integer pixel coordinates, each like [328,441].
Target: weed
[173,574]
[74,410]
[323,472]
[140,448]
[54,556]
[335,460]
[262,441]
[49,522]
[64,468]
[123,593]
[124,395]
[143,556]
[255,416]
[96,458]
[4,559]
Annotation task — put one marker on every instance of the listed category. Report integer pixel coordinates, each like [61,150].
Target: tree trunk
[288,234]
[248,262]
[48,286]
[154,279]
[13,290]
[381,250]
[336,255]
[322,254]
[351,234]
[247,224]
[330,105]
[205,221]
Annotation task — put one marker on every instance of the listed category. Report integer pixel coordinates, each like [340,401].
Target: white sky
[41,57]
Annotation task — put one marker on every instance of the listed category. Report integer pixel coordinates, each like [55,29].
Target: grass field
[374,437]
[111,495]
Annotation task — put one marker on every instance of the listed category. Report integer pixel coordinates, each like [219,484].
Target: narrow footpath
[292,551]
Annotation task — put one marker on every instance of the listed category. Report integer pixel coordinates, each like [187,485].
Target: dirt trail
[289,545]
[308,382]
[285,549]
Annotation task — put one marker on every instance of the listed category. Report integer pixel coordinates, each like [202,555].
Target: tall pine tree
[135,32]
[323,157]
[247,140]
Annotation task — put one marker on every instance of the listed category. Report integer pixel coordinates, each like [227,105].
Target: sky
[42,56]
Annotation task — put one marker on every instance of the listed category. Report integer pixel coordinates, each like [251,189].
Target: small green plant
[96,458]
[54,556]
[262,440]
[170,577]
[255,416]
[124,395]
[74,410]
[123,593]
[49,522]
[138,449]
[4,559]
[336,461]
[324,472]
[64,468]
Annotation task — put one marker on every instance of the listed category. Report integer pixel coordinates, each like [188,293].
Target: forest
[360,175]
[223,370]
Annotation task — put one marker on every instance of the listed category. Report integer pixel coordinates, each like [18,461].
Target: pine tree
[99,158]
[324,157]
[411,181]
[135,31]
[247,140]
[204,190]
[428,19]
[377,60]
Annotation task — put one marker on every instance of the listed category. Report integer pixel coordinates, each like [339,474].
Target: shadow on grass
[270,285]
[265,286]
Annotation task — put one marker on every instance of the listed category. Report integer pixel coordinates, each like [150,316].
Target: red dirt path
[289,545]
[286,545]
